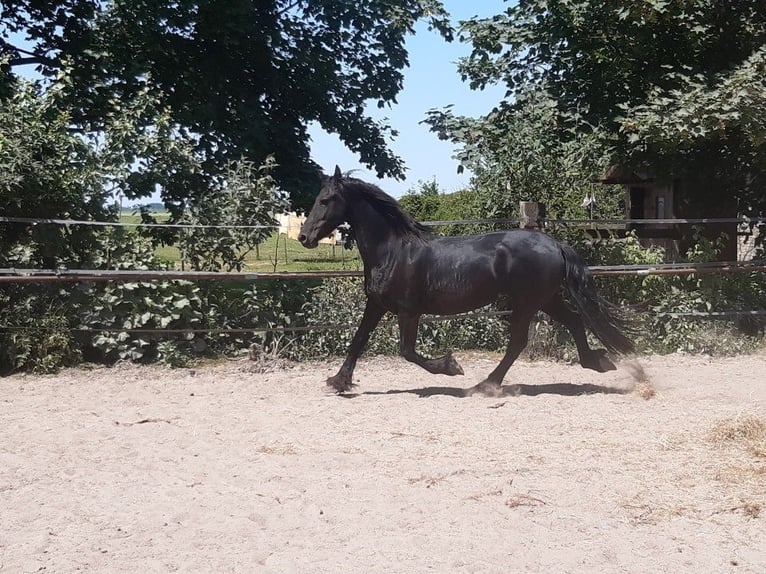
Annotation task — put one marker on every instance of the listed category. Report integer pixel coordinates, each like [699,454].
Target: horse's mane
[401,221]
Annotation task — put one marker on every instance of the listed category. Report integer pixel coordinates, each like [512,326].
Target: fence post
[182,246]
[529,217]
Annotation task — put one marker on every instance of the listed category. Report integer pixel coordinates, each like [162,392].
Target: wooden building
[290,225]
[647,198]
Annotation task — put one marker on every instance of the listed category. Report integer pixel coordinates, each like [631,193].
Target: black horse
[409,272]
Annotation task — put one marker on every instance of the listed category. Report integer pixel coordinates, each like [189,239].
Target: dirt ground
[224,469]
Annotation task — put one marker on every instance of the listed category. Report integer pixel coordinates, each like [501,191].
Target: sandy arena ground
[223,469]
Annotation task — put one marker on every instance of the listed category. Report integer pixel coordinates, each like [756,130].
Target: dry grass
[748,508]
[645,390]
[482,495]
[276,449]
[744,473]
[643,385]
[752,509]
[745,431]
[523,500]
[742,464]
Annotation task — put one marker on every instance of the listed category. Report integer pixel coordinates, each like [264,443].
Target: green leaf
[181,303]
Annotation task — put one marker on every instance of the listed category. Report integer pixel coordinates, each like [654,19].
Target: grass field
[277,253]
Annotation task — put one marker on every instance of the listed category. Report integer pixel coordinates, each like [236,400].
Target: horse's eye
[324,201]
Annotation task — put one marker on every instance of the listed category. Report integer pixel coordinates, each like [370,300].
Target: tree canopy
[234,79]
[600,58]
[675,86]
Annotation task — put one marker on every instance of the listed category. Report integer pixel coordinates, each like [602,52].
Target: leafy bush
[249,194]
[118,309]
[170,354]
[45,328]
[427,203]
[40,324]
[339,303]
[46,170]
[656,300]
[35,335]
[702,294]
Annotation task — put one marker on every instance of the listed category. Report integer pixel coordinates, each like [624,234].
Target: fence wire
[16,275]
[437,223]
[72,222]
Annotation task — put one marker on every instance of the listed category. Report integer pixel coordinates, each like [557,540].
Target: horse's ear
[337,175]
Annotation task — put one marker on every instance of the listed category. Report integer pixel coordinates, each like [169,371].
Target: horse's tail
[598,314]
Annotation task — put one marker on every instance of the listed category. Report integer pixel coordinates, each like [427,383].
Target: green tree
[46,171]
[250,195]
[517,153]
[239,78]
[711,133]
[422,201]
[599,58]
[676,86]
[426,202]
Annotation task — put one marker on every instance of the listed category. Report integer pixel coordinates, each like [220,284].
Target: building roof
[618,174]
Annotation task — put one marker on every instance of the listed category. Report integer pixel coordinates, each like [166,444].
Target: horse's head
[328,212]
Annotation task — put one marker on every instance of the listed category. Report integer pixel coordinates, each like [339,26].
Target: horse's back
[514,251]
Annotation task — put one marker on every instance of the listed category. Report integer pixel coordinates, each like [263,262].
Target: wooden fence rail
[14,275]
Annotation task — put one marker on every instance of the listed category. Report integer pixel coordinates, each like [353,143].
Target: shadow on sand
[562,389]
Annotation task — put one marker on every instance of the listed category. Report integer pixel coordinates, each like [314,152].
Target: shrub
[35,335]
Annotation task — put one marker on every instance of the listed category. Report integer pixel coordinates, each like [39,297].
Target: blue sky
[431,81]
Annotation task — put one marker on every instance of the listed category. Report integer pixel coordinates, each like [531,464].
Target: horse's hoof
[598,361]
[452,367]
[606,365]
[340,384]
[485,388]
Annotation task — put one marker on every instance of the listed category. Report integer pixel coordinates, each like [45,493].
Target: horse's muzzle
[303,238]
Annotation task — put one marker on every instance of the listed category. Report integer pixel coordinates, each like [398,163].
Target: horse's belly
[448,301]
[454,307]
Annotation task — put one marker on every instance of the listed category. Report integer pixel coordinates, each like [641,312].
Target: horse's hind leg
[519,336]
[594,359]
[408,334]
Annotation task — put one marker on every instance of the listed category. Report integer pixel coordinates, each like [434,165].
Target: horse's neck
[374,235]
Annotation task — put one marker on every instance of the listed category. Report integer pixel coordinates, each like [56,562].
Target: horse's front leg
[342,382]
[408,334]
